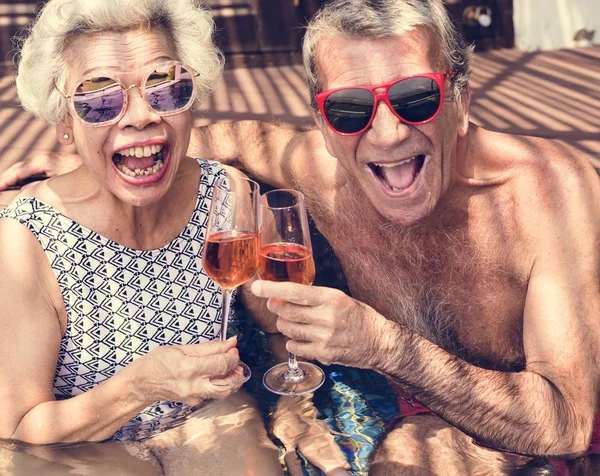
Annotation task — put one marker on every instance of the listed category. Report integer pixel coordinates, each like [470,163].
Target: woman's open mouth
[398,176]
[138,162]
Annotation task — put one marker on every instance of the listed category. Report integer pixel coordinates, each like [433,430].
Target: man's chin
[404,216]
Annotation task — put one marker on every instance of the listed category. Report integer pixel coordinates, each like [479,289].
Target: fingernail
[232,338]
[256,288]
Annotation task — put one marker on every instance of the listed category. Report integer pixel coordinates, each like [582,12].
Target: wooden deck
[551,94]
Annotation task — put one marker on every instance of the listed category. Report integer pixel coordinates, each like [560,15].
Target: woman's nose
[138,113]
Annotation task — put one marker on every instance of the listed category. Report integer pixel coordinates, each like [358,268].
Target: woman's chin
[140,197]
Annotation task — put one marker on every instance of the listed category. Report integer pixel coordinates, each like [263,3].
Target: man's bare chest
[455,289]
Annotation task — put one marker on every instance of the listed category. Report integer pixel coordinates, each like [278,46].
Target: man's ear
[463,111]
[324,128]
[64,133]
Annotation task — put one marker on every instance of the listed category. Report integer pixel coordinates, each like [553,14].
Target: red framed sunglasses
[416,99]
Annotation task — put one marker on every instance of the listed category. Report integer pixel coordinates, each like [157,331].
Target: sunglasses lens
[348,111]
[415,99]
[169,89]
[98,100]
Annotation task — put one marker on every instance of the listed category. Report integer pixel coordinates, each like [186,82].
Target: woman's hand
[296,425]
[182,373]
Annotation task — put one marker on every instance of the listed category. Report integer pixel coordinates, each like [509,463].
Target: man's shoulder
[538,163]
[557,187]
[559,169]
[541,179]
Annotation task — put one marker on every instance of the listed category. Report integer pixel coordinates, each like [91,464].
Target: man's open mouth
[398,176]
[140,161]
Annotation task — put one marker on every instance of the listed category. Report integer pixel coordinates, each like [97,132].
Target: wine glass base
[245,373]
[277,380]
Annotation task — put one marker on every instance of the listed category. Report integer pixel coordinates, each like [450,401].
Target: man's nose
[386,130]
[138,113]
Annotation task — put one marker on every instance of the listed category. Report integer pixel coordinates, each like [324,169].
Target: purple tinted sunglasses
[100,100]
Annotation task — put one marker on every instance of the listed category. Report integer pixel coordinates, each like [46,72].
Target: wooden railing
[262,32]
[14,16]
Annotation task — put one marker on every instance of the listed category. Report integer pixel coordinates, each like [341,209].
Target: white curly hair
[43,51]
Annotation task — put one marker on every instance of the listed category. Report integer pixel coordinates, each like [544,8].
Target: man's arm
[276,154]
[37,167]
[550,407]
[272,153]
[547,409]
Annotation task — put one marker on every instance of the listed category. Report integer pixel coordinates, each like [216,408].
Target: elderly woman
[101,339]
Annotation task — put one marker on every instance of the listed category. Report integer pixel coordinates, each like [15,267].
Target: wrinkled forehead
[340,59]
[119,52]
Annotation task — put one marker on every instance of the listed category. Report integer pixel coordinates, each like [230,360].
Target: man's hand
[325,324]
[296,425]
[45,164]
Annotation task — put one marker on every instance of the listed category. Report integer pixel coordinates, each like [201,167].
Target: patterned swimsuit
[121,303]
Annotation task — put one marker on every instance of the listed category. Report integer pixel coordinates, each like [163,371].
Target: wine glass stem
[225,316]
[293,364]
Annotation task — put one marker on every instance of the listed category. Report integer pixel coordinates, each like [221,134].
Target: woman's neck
[79,196]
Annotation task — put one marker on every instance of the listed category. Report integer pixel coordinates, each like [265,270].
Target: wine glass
[230,248]
[285,254]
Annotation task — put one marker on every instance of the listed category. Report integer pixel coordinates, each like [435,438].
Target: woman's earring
[66,137]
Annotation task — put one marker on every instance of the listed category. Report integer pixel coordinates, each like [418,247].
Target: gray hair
[43,61]
[374,19]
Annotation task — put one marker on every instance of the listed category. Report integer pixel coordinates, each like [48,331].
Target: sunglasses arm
[66,96]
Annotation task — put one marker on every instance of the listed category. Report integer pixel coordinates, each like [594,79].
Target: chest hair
[444,278]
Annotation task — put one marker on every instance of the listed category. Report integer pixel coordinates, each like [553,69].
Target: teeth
[140,152]
[396,164]
[141,172]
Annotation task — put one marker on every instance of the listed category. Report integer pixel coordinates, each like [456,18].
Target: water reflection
[220,438]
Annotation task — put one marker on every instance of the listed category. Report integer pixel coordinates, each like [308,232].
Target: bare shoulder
[20,251]
[53,191]
[559,175]
[26,275]
[557,195]
[546,191]
[548,169]
[233,172]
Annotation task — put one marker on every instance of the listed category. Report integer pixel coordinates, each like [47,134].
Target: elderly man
[473,256]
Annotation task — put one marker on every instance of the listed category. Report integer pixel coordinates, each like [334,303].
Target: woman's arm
[32,322]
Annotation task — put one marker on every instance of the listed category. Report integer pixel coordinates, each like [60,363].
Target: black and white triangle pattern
[121,303]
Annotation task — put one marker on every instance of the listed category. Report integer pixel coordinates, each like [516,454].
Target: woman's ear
[64,133]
